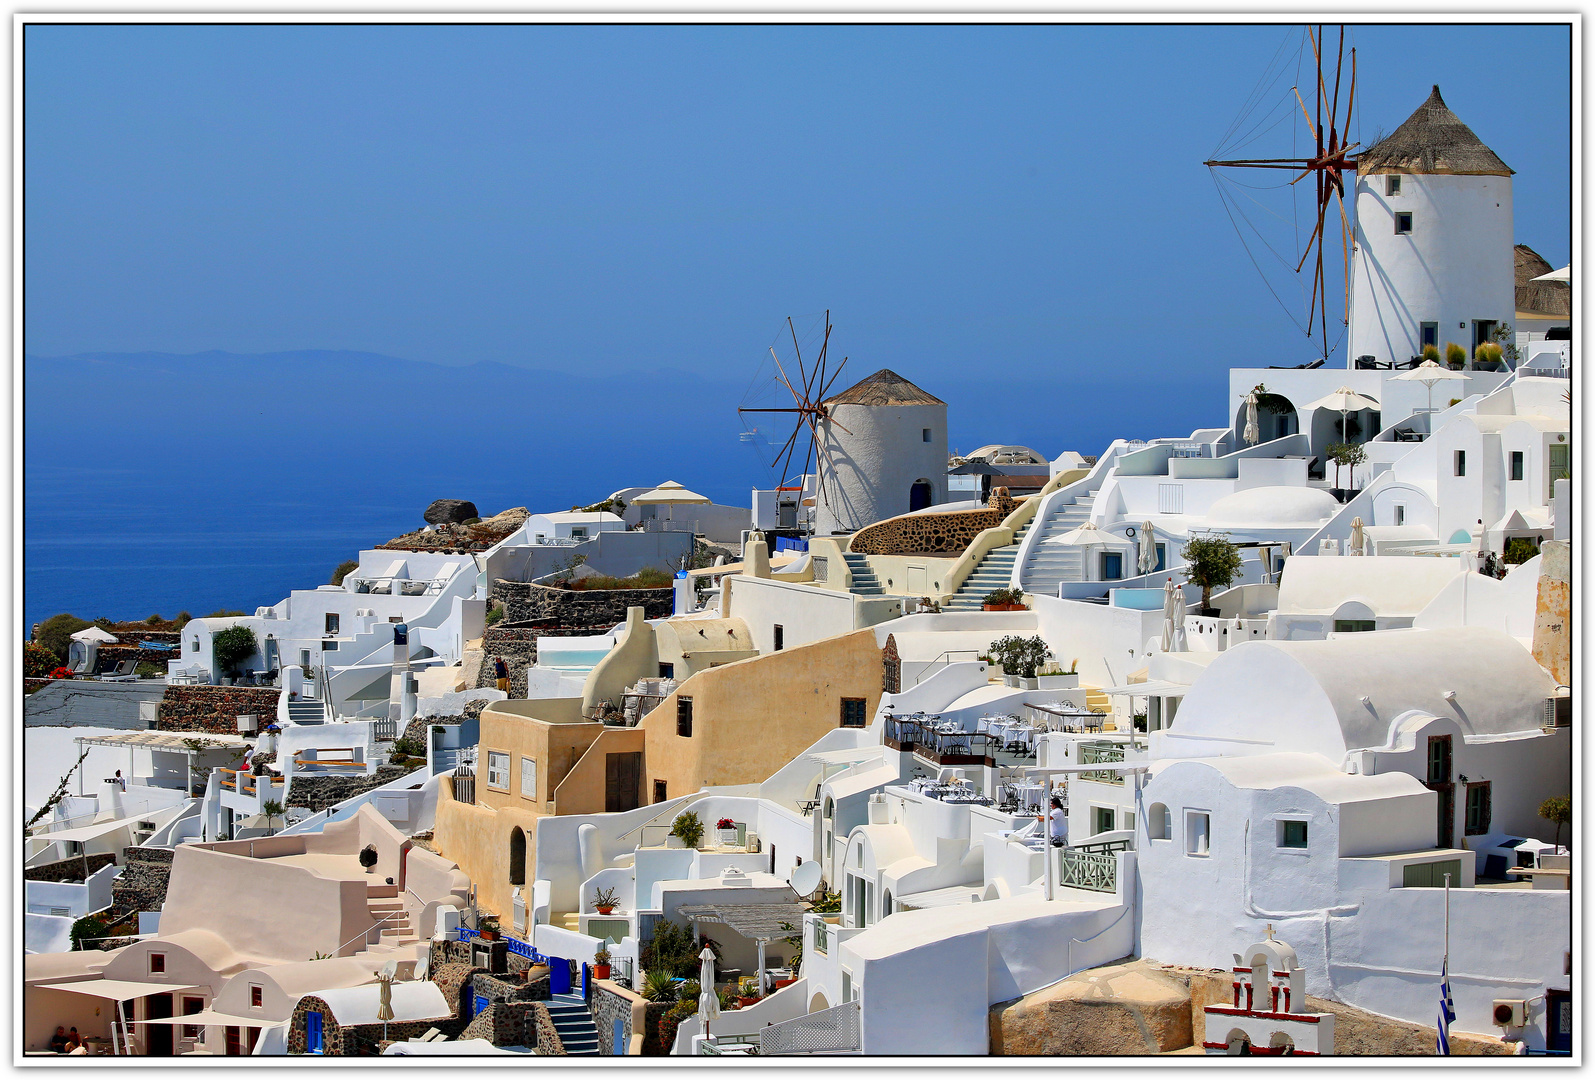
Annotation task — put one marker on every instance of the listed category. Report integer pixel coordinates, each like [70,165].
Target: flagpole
[1446,952]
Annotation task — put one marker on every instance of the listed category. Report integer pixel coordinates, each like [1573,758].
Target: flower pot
[601,971]
[673,841]
[1058,682]
[1002,607]
[744,1002]
[728,837]
[487,935]
[605,909]
[1029,684]
[1011,680]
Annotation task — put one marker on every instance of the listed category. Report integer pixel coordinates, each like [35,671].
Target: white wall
[874,462]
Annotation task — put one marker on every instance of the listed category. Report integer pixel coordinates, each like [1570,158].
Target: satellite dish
[805,878]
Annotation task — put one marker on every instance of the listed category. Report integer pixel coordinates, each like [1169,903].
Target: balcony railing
[827,1031]
[1102,753]
[1094,871]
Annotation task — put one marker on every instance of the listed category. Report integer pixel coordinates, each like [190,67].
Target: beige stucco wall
[1553,612]
[633,657]
[694,645]
[754,716]
[555,740]
[478,839]
[585,788]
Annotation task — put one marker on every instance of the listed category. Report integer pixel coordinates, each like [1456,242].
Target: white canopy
[1343,400]
[1564,274]
[1084,534]
[118,989]
[1429,372]
[94,633]
[208,1016]
[86,832]
[669,493]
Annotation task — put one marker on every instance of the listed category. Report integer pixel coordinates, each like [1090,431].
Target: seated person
[58,1040]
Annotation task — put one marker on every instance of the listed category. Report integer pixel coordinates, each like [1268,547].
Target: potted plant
[688,829]
[1456,357]
[1021,657]
[1003,600]
[1350,455]
[368,857]
[1431,352]
[604,901]
[601,963]
[1211,562]
[727,830]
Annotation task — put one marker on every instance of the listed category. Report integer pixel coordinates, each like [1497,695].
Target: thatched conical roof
[1552,298]
[1432,140]
[885,387]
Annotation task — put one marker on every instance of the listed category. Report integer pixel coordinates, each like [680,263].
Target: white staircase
[995,571]
[574,1023]
[865,583]
[1048,564]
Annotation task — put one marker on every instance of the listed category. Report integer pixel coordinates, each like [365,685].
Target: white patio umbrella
[1356,536]
[1148,557]
[1429,373]
[1564,274]
[708,1000]
[1177,639]
[1345,400]
[1083,536]
[670,494]
[1252,434]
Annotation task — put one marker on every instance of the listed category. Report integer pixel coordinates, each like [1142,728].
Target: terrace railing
[826,1032]
[1090,870]
[1102,753]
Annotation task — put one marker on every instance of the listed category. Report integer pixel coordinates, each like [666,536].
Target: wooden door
[622,780]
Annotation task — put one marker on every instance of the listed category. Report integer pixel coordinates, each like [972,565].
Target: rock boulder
[450,512]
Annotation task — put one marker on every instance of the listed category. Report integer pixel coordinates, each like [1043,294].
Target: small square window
[1198,824]
[1429,334]
[1517,464]
[332,622]
[684,717]
[329,646]
[667,671]
[660,792]
[924,435]
[1459,465]
[1403,223]
[257,996]
[1354,626]
[157,963]
[1101,819]
[1392,185]
[853,712]
[1293,834]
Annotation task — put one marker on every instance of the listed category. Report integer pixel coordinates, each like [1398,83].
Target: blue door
[558,975]
[587,980]
[313,1033]
[478,1004]
[620,1038]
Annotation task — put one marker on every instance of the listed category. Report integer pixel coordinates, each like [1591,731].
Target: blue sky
[1014,202]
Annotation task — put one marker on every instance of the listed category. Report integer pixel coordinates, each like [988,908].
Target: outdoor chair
[126,671]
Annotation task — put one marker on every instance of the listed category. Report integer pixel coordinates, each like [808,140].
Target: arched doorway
[1276,418]
[818,1003]
[1237,1044]
[920,495]
[517,856]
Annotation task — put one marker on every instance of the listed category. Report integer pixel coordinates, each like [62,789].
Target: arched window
[830,808]
[1158,822]
[517,857]
[921,495]
[1237,1043]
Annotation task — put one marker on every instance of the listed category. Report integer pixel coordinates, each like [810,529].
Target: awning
[86,832]
[118,990]
[845,757]
[209,1017]
[161,740]
[758,921]
[1152,688]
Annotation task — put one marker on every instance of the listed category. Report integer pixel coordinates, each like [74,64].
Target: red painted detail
[1225,1010]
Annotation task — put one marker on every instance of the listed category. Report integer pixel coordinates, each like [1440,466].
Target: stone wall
[611,1003]
[518,647]
[317,793]
[453,979]
[507,1023]
[214,709]
[548,1041]
[141,886]
[526,602]
[459,952]
[70,870]
[106,657]
[924,533]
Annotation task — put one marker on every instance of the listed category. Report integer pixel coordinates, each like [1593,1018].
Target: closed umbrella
[1178,638]
[384,999]
[1167,643]
[708,1000]
[1345,400]
[1356,536]
[1148,560]
[1252,435]
[1429,373]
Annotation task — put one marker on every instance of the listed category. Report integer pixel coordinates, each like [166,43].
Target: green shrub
[671,951]
[1431,352]
[647,578]
[472,521]
[1021,656]
[1520,549]
[55,634]
[688,829]
[38,662]
[1004,596]
[658,986]
[233,646]
[343,570]
[149,670]
[409,747]
[220,613]
[495,614]
[88,929]
[1455,356]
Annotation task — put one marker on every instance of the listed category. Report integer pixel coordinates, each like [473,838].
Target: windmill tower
[883,452]
[1433,260]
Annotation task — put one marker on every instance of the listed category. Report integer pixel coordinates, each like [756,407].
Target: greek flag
[1442,1042]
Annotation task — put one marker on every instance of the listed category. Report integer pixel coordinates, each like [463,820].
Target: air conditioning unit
[1558,712]
[1510,1013]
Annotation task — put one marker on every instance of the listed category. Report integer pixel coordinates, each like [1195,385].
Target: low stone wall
[525,602]
[106,657]
[71,870]
[214,709]
[924,533]
[453,979]
[317,793]
[459,952]
[611,1004]
[548,1041]
[141,886]
[507,1023]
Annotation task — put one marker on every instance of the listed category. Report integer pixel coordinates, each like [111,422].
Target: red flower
[725,823]
[61,673]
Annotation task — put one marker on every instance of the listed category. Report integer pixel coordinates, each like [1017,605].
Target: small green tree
[55,634]
[1504,336]
[1211,562]
[343,570]
[688,829]
[233,646]
[1558,810]
[1348,454]
[273,810]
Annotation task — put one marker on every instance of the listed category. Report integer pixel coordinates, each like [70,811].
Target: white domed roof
[1273,507]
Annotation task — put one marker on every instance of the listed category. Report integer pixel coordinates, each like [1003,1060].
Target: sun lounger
[126,671]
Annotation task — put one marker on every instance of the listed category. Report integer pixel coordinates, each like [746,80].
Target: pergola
[761,922]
